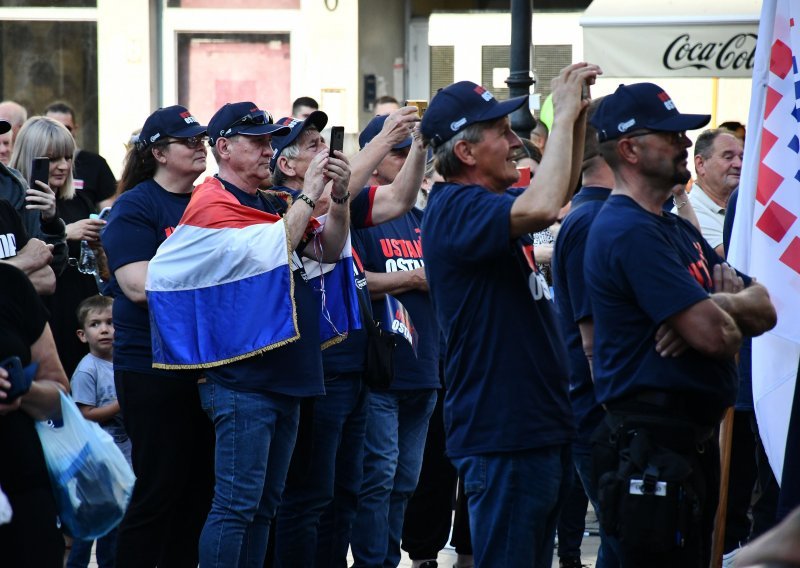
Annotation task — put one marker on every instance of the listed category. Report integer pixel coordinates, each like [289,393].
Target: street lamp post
[519,81]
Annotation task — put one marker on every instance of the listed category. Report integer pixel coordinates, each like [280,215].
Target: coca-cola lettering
[735,53]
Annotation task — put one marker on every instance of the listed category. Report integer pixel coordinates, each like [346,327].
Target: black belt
[665,400]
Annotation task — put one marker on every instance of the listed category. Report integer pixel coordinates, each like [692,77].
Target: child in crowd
[93,391]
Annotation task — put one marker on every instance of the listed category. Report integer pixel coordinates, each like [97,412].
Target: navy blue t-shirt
[505,365]
[572,300]
[641,269]
[348,356]
[394,246]
[141,219]
[294,369]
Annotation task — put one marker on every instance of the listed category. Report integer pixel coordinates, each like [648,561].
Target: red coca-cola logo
[736,53]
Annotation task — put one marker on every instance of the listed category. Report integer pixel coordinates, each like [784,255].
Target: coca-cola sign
[734,54]
[672,50]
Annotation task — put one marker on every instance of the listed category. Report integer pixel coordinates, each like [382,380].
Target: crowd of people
[569,338]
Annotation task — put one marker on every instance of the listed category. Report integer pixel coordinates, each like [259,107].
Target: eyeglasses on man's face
[671,137]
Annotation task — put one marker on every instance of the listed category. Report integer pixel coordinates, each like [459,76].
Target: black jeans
[572,522]
[429,513]
[173,459]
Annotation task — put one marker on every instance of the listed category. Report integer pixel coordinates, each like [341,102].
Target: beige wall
[123,69]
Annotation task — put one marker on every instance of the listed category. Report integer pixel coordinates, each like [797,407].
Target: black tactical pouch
[647,501]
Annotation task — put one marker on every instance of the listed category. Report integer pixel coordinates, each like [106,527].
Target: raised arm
[337,223]
[397,128]
[397,198]
[538,206]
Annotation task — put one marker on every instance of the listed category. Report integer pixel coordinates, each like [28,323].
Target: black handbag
[379,358]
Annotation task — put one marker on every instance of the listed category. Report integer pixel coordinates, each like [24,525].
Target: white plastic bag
[5,509]
[91,479]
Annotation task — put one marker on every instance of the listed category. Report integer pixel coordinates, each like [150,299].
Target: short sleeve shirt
[294,369]
[640,269]
[572,300]
[92,384]
[141,219]
[396,246]
[505,363]
[348,355]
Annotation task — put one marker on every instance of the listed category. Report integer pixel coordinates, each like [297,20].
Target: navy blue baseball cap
[317,119]
[638,106]
[373,128]
[242,118]
[175,121]
[457,106]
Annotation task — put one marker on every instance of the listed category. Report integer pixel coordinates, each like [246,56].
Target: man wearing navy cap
[397,416]
[254,402]
[507,414]
[327,463]
[668,319]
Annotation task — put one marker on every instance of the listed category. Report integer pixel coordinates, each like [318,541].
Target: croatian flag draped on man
[242,253]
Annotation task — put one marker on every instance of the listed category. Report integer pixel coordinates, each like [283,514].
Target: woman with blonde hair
[44,137]
[172,438]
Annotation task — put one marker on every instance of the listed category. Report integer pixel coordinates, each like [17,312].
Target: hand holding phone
[19,379]
[421,105]
[40,171]
[337,140]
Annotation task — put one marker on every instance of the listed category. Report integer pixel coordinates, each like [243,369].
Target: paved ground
[447,557]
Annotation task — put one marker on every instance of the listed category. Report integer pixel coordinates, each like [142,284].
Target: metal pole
[519,81]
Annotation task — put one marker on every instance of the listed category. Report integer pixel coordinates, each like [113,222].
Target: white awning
[671,38]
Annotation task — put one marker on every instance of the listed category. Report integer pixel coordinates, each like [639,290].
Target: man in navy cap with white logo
[254,402]
[507,414]
[668,319]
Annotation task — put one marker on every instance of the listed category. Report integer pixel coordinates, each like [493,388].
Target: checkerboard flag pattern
[766,235]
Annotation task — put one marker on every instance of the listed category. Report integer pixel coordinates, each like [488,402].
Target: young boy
[93,391]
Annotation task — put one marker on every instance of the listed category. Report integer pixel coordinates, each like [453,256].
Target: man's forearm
[334,233]
[364,163]
[751,309]
[382,283]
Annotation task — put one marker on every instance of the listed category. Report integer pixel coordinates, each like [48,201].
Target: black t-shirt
[22,321]
[93,177]
[12,232]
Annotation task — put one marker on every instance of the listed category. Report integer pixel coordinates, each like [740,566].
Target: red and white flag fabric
[765,242]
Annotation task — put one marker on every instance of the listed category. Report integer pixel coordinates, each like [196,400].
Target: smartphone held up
[40,171]
[337,140]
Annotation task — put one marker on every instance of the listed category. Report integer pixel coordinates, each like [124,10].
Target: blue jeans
[514,502]
[337,450]
[255,438]
[582,456]
[397,425]
[81,552]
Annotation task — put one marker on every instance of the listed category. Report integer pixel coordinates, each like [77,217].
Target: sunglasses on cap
[254,118]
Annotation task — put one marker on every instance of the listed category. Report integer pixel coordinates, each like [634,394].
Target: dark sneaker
[572,562]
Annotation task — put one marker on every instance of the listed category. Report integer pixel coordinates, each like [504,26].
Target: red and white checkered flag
[766,235]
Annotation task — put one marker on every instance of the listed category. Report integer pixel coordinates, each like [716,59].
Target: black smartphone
[337,139]
[19,379]
[40,171]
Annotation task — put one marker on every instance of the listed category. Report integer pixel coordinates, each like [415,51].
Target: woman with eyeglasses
[172,438]
[44,137]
